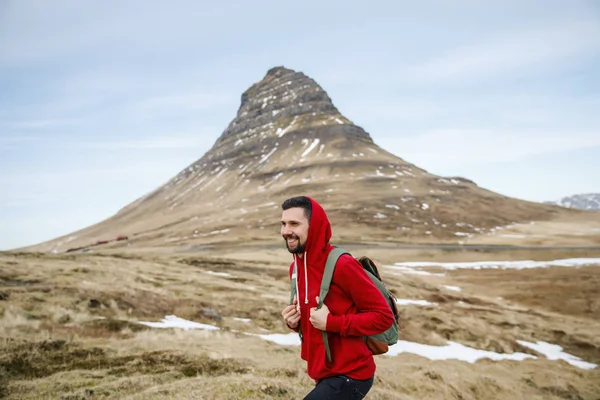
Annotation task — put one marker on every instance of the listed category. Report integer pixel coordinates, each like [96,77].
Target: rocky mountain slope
[289,139]
[586,201]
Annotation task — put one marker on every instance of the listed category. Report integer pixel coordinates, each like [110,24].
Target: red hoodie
[356,307]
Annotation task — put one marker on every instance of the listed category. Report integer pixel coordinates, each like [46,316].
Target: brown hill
[289,139]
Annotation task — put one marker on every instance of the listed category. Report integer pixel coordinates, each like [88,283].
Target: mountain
[289,139]
[586,201]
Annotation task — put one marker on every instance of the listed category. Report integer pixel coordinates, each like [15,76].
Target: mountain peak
[285,101]
[278,71]
[583,201]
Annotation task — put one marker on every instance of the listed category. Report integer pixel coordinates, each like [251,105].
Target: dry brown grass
[569,291]
[68,330]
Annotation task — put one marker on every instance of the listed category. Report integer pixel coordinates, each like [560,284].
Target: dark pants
[340,387]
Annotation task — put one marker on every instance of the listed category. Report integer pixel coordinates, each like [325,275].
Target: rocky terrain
[586,201]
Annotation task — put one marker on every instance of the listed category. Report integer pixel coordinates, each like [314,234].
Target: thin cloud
[514,51]
[449,148]
[166,142]
[39,124]
[13,142]
[183,103]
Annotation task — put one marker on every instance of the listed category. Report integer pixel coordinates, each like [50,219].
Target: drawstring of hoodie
[305,281]
[305,278]
[296,276]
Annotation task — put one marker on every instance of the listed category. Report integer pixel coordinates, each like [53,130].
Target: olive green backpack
[378,344]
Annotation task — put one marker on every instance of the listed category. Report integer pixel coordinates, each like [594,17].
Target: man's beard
[300,247]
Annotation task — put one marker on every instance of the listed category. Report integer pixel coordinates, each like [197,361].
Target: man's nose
[285,230]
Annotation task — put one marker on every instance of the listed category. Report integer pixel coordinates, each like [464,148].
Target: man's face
[294,229]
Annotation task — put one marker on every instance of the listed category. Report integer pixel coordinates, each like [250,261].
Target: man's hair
[299,201]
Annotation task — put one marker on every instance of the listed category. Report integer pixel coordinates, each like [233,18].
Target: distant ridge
[585,201]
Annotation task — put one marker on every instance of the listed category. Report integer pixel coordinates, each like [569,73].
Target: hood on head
[319,234]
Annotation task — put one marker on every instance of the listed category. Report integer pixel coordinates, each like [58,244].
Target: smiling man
[353,308]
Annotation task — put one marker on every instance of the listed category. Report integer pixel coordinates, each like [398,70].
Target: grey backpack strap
[325,283]
[293,285]
[293,294]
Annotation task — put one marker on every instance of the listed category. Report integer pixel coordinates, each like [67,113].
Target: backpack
[377,344]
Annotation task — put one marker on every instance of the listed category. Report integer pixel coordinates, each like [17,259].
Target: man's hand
[291,314]
[319,317]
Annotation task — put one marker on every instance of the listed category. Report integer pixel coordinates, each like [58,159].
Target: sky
[102,102]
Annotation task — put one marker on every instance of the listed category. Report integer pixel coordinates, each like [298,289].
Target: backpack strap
[332,258]
[293,294]
[293,286]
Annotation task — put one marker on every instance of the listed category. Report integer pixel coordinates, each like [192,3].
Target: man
[353,308]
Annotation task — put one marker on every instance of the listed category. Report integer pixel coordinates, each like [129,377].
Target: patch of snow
[242,319]
[569,262]
[554,352]
[266,156]
[217,232]
[404,302]
[171,321]
[243,169]
[454,288]
[424,206]
[395,207]
[409,270]
[281,132]
[379,216]
[451,351]
[224,274]
[310,148]
[339,121]
[290,339]
[513,236]
[453,181]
